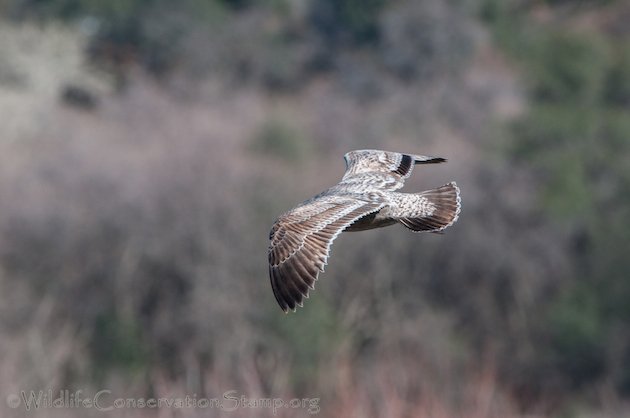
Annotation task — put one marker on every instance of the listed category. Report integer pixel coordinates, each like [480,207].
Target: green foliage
[149,31]
[557,141]
[282,65]
[551,128]
[66,9]
[568,67]
[114,9]
[117,343]
[577,3]
[508,25]
[244,4]
[617,89]
[278,44]
[575,137]
[568,191]
[616,128]
[356,20]
[491,11]
[312,334]
[578,336]
[280,139]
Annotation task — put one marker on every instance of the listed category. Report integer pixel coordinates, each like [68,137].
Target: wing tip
[294,273]
[424,159]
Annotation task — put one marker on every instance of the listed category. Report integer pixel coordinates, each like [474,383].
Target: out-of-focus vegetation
[147,146]
[575,139]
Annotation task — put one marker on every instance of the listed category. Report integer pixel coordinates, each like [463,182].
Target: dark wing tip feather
[405,165]
[430,160]
[277,292]
[290,285]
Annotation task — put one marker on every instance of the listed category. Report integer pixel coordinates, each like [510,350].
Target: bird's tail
[441,207]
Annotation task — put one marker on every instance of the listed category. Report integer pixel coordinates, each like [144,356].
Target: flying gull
[364,199]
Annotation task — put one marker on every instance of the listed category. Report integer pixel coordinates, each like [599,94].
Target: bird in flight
[365,198]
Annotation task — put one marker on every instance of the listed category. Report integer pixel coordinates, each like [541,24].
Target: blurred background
[146,147]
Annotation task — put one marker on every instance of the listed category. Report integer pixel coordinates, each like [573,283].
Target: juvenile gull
[365,198]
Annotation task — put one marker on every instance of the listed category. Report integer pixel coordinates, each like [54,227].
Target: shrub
[278,138]
[578,336]
[568,67]
[354,21]
[618,81]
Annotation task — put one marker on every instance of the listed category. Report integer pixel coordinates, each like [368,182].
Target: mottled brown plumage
[364,199]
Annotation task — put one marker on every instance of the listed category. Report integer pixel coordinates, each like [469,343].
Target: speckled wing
[390,168]
[301,240]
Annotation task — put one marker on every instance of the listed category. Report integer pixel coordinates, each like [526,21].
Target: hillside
[146,149]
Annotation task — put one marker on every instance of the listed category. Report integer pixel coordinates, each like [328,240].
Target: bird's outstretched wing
[393,167]
[301,240]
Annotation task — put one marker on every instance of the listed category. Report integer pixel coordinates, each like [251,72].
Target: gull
[365,198]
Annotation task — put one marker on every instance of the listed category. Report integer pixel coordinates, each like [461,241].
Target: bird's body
[365,198]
